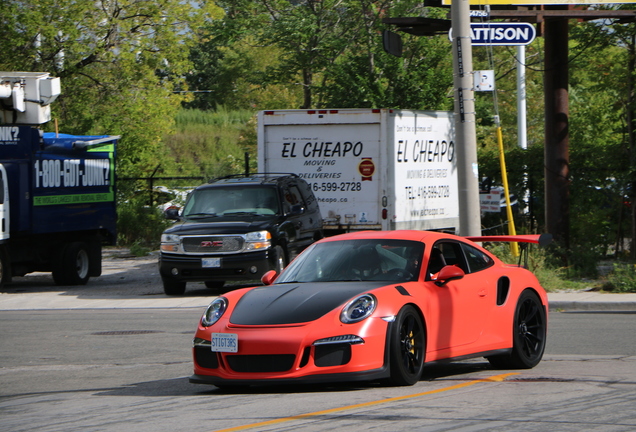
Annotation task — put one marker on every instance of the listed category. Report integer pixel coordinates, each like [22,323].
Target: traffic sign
[500,33]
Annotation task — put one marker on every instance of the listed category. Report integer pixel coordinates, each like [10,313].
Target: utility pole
[557,152]
[468,173]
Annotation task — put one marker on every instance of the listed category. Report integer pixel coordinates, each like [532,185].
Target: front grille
[205,357]
[332,355]
[213,244]
[261,363]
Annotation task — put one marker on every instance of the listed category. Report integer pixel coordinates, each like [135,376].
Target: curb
[606,306]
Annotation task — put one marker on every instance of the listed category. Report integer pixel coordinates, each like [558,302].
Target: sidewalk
[565,301]
[591,301]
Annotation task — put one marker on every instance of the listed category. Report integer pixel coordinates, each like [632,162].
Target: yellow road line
[496,378]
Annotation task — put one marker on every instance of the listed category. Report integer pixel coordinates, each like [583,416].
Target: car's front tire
[529,335]
[407,348]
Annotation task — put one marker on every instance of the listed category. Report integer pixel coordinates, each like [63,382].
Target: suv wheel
[173,288]
[279,259]
[214,284]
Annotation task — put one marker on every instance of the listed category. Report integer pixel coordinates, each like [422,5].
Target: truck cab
[57,191]
[237,228]
[57,203]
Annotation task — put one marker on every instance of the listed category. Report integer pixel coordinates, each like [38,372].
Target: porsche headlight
[358,309]
[170,242]
[214,312]
[258,240]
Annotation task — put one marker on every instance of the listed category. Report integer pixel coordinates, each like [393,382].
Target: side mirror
[269,277]
[297,209]
[447,274]
[171,213]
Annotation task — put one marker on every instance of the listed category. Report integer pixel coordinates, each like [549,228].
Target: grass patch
[541,264]
[622,279]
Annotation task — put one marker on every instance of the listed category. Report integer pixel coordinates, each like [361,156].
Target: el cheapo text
[327,149]
[423,151]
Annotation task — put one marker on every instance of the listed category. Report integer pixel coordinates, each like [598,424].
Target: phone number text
[337,187]
[427,192]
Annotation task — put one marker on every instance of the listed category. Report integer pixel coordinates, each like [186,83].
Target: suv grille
[213,244]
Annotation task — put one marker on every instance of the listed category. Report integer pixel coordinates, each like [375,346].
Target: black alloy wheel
[407,347]
[529,335]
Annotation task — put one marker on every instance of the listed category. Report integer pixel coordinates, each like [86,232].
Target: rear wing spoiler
[541,239]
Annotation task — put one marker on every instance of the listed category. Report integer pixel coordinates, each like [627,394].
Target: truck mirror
[171,213]
[297,209]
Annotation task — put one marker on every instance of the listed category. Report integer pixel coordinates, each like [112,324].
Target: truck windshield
[223,201]
[348,260]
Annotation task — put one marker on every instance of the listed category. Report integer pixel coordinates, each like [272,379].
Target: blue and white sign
[500,33]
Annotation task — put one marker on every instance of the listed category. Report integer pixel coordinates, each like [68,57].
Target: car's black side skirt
[505,351]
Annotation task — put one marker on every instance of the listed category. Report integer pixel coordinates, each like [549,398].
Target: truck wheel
[173,288]
[72,265]
[5,269]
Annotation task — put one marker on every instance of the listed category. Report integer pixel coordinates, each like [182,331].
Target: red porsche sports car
[373,306]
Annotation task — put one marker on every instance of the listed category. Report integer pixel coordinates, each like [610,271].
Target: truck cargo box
[379,169]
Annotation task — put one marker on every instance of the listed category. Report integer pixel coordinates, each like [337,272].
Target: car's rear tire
[407,348]
[72,265]
[173,288]
[529,335]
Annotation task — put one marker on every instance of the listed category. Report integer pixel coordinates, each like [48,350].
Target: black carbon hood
[295,303]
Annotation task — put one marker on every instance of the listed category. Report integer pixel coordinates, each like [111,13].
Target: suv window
[232,200]
[293,197]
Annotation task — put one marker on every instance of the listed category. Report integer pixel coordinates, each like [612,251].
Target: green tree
[119,64]
[290,54]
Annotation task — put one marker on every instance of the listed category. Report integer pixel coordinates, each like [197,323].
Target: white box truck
[378,169]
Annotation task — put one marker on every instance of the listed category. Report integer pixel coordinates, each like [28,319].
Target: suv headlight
[358,309]
[258,240]
[170,242]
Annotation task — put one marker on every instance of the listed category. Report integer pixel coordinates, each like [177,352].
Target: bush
[622,279]
[542,264]
[139,226]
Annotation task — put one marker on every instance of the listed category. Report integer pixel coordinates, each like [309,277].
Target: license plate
[224,342]
[210,262]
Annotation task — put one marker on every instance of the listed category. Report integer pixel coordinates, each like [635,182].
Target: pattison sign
[500,33]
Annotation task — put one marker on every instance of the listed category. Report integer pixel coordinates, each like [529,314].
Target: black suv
[238,228]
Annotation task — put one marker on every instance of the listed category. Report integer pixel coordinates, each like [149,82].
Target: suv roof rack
[243,176]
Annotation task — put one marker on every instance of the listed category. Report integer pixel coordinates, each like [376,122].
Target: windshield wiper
[240,213]
[200,215]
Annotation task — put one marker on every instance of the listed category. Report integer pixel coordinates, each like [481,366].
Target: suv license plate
[224,342]
[210,262]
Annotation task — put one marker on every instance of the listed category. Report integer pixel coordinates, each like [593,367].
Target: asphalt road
[115,355]
[127,369]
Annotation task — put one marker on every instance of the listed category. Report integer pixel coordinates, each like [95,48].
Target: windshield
[377,260]
[223,201]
